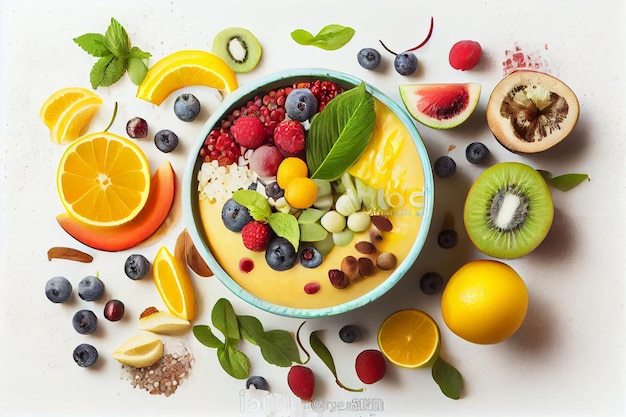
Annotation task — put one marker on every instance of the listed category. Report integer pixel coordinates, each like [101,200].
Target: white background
[567,358]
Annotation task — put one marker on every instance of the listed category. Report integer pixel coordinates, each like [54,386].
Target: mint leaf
[330,37]
[205,336]
[324,354]
[233,361]
[138,53]
[94,44]
[225,320]
[448,378]
[563,182]
[117,40]
[257,205]
[285,225]
[339,134]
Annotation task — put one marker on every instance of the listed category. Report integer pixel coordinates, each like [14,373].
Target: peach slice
[130,234]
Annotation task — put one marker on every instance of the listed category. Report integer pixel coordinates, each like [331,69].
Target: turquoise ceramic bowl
[190,190]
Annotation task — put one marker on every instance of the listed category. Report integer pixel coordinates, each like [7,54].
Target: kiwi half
[508,210]
[239,48]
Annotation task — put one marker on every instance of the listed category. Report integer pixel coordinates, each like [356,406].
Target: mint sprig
[115,56]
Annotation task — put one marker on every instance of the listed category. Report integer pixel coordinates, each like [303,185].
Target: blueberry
[257,382]
[137,128]
[310,257]
[280,255]
[186,107]
[85,355]
[405,63]
[431,283]
[114,310]
[274,191]
[235,216]
[448,238]
[444,166]
[253,186]
[166,140]
[85,322]
[301,104]
[369,58]
[58,289]
[136,266]
[350,333]
[476,153]
[90,288]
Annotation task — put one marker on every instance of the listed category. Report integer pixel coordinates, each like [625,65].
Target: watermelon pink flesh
[442,102]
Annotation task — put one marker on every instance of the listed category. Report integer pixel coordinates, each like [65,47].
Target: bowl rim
[190,194]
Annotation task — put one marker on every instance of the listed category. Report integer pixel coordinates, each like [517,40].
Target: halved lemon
[174,284]
[144,349]
[186,68]
[409,338]
[59,101]
[73,121]
[103,179]
[164,323]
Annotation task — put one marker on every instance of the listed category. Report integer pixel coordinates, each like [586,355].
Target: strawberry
[256,235]
[289,137]
[301,381]
[370,366]
[249,131]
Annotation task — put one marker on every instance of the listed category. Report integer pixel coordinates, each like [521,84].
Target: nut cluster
[164,377]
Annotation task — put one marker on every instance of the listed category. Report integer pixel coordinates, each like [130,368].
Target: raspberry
[256,235]
[289,137]
[370,366]
[301,381]
[249,131]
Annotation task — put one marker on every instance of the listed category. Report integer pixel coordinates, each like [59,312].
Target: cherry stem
[430,32]
[387,49]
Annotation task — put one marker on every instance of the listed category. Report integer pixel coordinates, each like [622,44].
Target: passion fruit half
[530,111]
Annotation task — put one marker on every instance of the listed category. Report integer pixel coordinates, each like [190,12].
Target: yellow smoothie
[391,163]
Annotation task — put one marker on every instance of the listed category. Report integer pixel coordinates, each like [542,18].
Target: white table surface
[567,358]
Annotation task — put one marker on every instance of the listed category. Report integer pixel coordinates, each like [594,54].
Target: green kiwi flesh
[508,210]
[239,48]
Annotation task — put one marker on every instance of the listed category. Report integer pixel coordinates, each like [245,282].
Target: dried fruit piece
[61,252]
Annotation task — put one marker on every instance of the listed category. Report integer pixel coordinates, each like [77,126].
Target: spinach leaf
[278,347]
[233,361]
[330,37]
[225,320]
[206,337]
[448,378]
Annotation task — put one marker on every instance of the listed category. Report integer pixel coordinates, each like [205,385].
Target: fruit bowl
[391,180]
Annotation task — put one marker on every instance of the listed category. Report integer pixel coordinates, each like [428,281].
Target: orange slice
[103,179]
[73,121]
[59,101]
[144,349]
[409,338]
[174,284]
[183,69]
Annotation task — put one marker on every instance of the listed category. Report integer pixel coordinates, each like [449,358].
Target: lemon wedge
[163,323]
[59,101]
[142,350]
[174,284]
[75,119]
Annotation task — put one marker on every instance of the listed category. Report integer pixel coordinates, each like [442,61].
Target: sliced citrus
[409,338]
[59,101]
[144,349]
[103,179]
[174,284]
[75,119]
[164,323]
[183,69]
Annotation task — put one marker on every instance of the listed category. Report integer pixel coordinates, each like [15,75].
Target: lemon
[75,119]
[186,68]
[103,179]
[174,284]
[163,323]
[290,168]
[59,101]
[144,349]
[484,302]
[409,338]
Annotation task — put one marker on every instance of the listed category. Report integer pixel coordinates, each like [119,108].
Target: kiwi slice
[508,210]
[239,48]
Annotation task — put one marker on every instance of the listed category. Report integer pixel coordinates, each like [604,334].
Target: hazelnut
[338,279]
[366,266]
[386,260]
[382,223]
[365,247]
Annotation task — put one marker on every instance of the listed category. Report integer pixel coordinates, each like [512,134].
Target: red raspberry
[256,235]
[301,380]
[370,366]
[249,131]
[289,137]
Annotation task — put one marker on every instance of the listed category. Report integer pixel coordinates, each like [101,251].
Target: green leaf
[94,44]
[312,232]
[225,320]
[251,328]
[258,205]
[563,182]
[138,53]
[339,134]
[311,215]
[330,37]
[205,336]
[448,378]
[324,354]
[117,40]
[278,347]
[137,70]
[233,361]
[106,71]
[285,225]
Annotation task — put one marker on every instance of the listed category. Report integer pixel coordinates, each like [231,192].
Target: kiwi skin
[245,42]
[527,229]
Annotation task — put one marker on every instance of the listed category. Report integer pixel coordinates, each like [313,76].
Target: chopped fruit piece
[409,338]
[103,179]
[163,323]
[186,68]
[174,285]
[59,101]
[75,119]
[239,48]
[140,351]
